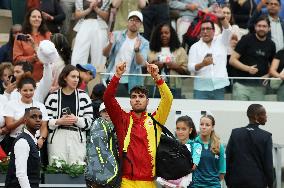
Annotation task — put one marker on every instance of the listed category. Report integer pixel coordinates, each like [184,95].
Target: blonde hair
[214,139]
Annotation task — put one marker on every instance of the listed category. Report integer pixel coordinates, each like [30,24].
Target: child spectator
[6,70]
[186,133]
[212,166]
[97,98]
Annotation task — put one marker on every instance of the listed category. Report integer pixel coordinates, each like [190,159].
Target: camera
[23,37]
[12,78]
[66,111]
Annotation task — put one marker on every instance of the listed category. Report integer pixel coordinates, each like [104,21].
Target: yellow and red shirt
[142,145]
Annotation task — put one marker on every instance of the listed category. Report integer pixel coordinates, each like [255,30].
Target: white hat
[102,107]
[136,13]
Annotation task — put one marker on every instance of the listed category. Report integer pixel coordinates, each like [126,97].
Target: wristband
[136,50]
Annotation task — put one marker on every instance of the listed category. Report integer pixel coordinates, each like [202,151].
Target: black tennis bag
[173,159]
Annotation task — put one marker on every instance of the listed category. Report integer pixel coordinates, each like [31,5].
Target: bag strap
[164,129]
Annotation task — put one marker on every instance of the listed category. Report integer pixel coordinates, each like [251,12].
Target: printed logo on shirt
[260,52]
[216,156]
[198,151]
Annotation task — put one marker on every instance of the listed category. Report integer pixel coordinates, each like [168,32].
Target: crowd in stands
[41,68]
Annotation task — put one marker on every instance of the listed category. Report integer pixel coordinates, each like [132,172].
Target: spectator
[97,98]
[188,10]
[123,8]
[6,70]
[167,53]
[251,58]
[26,44]
[52,14]
[155,12]
[63,48]
[47,55]
[186,133]
[210,62]
[130,47]
[15,110]
[242,11]
[87,73]
[212,166]
[24,166]
[93,17]
[18,8]
[70,114]
[3,128]
[6,51]
[138,166]
[68,7]
[249,153]
[276,70]
[276,32]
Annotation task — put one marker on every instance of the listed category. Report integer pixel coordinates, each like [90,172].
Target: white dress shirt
[21,150]
[216,76]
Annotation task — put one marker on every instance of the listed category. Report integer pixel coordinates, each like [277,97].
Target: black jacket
[249,158]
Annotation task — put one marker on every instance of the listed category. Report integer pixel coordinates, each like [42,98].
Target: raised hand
[137,44]
[120,69]
[154,71]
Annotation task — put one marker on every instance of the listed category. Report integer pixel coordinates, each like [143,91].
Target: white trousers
[90,40]
[67,145]
[182,26]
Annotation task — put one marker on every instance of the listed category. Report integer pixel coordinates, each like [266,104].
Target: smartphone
[12,78]
[23,37]
[66,111]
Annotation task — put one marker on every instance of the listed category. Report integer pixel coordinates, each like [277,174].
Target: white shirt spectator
[16,110]
[3,101]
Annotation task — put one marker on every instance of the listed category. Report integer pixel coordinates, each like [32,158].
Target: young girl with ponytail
[212,166]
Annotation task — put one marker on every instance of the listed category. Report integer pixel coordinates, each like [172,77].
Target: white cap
[102,107]
[136,13]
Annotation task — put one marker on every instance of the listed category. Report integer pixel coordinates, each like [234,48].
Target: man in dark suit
[249,153]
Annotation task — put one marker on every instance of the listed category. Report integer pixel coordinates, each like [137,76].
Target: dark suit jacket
[249,158]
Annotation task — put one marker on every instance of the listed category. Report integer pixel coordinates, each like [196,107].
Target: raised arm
[165,104]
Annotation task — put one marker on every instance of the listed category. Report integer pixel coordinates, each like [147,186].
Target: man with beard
[130,47]
[249,153]
[251,58]
[277,25]
[24,167]
[135,130]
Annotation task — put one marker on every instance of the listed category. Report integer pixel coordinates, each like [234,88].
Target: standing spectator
[130,47]
[70,114]
[212,166]
[93,17]
[242,10]
[249,153]
[155,12]
[64,50]
[167,53]
[188,10]
[123,8]
[52,14]
[211,61]
[68,7]
[24,166]
[251,58]
[15,110]
[6,51]
[276,70]
[97,98]
[135,128]
[276,32]
[18,8]
[47,55]
[26,44]
[6,70]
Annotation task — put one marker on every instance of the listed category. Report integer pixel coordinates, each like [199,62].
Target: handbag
[173,159]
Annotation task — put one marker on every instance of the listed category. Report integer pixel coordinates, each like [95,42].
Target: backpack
[173,159]
[103,163]
[192,34]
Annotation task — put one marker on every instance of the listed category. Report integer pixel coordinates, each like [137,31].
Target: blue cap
[87,67]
